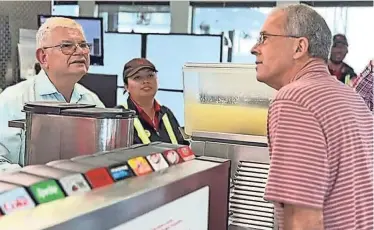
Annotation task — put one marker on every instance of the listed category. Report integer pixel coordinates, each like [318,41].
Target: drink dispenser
[226,116]
[225,98]
[55,130]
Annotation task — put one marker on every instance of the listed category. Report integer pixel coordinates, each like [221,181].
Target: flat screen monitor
[104,86]
[93,29]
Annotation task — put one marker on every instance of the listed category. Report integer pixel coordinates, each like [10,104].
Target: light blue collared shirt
[12,100]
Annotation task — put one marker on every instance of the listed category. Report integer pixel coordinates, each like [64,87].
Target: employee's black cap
[339,38]
[135,65]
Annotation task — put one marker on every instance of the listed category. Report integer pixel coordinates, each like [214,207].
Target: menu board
[189,212]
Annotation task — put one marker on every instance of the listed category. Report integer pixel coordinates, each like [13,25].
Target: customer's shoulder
[89,95]
[83,90]
[86,92]
[303,88]
[17,91]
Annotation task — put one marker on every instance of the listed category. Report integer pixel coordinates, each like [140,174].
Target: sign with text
[121,172]
[99,177]
[14,200]
[172,157]
[157,161]
[47,191]
[189,212]
[140,166]
[74,184]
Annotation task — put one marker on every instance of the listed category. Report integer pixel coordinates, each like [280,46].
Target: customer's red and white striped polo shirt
[321,147]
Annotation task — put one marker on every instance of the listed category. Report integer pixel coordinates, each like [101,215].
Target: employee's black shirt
[161,134]
[344,71]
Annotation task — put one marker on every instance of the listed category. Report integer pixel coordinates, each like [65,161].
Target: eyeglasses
[69,48]
[141,78]
[263,36]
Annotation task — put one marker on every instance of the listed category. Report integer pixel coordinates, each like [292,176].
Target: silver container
[55,131]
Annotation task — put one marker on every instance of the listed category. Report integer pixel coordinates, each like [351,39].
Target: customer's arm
[364,85]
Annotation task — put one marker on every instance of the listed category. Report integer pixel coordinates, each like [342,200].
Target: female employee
[155,122]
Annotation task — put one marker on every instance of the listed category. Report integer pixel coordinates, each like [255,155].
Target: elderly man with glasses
[320,131]
[64,57]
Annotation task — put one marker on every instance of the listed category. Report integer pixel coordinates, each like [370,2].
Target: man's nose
[254,50]
[78,49]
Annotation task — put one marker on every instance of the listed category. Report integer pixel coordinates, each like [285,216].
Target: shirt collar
[44,86]
[310,68]
[157,106]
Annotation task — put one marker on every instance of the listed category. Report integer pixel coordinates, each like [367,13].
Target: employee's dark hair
[125,80]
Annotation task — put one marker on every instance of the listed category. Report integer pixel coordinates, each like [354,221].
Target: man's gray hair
[52,23]
[304,21]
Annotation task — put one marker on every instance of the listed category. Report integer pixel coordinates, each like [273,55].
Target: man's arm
[299,174]
[299,217]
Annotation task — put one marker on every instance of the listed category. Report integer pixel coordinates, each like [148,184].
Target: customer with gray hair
[64,57]
[321,155]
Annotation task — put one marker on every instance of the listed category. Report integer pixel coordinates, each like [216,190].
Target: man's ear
[301,47]
[41,57]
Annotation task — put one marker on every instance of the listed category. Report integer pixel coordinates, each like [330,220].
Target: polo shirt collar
[156,105]
[44,86]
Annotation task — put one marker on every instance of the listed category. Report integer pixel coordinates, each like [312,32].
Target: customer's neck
[64,85]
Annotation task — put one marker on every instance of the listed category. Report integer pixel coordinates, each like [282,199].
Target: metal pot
[55,131]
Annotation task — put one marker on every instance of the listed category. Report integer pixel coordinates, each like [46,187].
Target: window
[144,22]
[356,24]
[245,22]
[66,10]
[137,18]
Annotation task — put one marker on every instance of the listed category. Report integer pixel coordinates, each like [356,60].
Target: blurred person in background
[319,130]
[341,70]
[155,122]
[37,68]
[364,84]
[63,54]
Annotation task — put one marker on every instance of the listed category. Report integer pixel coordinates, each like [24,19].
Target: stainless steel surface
[110,206]
[230,137]
[56,131]
[249,168]
[53,137]
[17,123]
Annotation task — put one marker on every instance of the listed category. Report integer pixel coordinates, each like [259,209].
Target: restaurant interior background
[240,23]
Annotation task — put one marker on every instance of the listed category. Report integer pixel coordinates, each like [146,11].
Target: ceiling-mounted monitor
[93,29]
